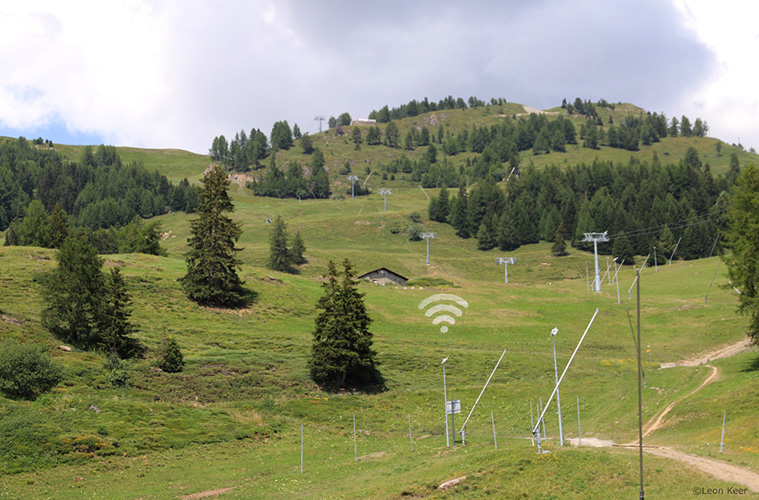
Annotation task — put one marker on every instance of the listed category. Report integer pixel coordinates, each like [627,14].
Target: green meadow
[229,425]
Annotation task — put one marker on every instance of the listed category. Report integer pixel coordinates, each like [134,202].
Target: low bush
[27,370]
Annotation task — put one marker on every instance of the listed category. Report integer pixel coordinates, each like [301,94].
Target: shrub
[172,360]
[118,375]
[415,217]
[27,370]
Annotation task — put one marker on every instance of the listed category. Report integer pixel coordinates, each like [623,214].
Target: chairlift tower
[428,236]
[505,261]
[353,179]
[385,192]
[595,238]
[320,119]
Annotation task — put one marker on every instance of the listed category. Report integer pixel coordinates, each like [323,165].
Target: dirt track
[716,468]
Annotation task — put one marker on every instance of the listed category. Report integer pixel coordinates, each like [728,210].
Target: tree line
[294,182]
[415,108]
[40,229]
[641,205]
[97,192]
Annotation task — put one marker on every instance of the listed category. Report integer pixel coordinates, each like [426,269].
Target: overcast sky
[177,73]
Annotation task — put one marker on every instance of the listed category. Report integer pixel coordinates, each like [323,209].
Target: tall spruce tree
[211,277]
[116,329]
[279,254]
[73,293]
[298,250]
[559,248]
[342,354]
[84,308]
[743,241]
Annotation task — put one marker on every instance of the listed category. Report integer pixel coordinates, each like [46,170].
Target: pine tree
[59,226]
[73,294]
[559,248]
[622,249]
[444,206]
[172,360]
[298,250]
[457,217]
[666,243]
[392,135]
[279,254]
[342,354]
[211,277]
[116,330]
[487,236]
[743,241]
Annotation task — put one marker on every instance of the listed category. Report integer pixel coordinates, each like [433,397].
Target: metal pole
[675,250]
[656,263]
[301,448]
[607,270]
[353,179]
[410,436]
[532,426]
[722,441]
[428,251]
[556,373]
[453,426]
[506,272]
[355,444]
[715,245]
[579,429]
[481,393]
[540,409]
[495,441]
[706,297]
[445,394]
[598,278]
[616,277]
[569,363]
[640,399]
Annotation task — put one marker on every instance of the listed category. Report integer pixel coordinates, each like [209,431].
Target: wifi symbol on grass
[443,308]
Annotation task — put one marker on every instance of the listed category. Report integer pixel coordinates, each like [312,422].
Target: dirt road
[716,468]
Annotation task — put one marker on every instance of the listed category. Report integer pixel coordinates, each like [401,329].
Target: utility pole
[556,373]
[640,397]
[595,238]
[320,119]
[656,262]
[505,261]
[445,394]
[353,179]
[428,236]
[675,250]
[385,192]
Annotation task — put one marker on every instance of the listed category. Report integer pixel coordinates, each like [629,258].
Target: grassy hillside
[237,408]
[230,424]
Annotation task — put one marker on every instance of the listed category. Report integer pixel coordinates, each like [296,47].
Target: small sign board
[453,406]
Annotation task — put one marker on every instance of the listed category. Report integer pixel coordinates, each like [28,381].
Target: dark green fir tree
[211,277]
[342,354]
[279,253]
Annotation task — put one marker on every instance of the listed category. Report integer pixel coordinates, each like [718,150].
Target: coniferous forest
[42,194]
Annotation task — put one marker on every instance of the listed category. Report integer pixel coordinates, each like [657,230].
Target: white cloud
[177,73]
[728,100]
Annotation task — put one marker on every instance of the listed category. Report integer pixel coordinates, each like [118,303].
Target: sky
[177,73]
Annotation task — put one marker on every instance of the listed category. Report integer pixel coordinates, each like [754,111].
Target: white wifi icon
[449,310]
